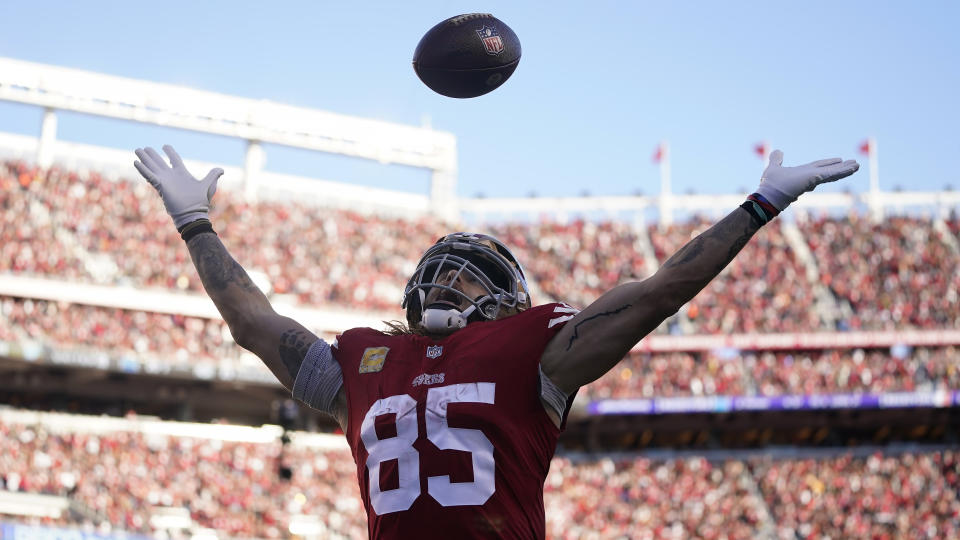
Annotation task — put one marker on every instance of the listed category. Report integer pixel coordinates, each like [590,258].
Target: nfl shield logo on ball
[491,40]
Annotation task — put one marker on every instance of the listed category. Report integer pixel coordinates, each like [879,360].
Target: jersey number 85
[401,448]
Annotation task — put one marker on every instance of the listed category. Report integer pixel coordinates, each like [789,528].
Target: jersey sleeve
[550,393]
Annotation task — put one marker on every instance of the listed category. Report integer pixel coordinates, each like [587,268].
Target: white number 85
[440,434]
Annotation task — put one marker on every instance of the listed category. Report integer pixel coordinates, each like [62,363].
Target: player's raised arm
[279,341]
[602,334]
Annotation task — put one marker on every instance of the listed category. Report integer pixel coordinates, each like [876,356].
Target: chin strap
[445,321]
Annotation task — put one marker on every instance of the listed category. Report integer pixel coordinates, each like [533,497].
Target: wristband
[760,208]
[194,228]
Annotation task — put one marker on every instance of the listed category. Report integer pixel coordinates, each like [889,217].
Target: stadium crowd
[122,477]
[80,226]
[894,274]
[134,340]
[574,262]
[640,498]
[764,289]
[773,373]
[158,343]
[880,496]
[233,487]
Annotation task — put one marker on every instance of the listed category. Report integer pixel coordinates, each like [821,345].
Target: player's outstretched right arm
[281,342]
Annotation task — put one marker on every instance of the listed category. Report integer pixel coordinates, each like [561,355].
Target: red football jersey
[449,436]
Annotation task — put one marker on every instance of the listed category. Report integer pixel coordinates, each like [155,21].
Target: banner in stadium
[722,404]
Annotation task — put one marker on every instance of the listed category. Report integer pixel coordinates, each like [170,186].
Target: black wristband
[760,209]
[759,218]
[194,228]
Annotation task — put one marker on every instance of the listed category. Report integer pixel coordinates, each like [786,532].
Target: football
[467,56]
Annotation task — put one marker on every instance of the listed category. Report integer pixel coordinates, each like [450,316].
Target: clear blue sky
[599,84]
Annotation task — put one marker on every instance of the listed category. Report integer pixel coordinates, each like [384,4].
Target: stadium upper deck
[822,273]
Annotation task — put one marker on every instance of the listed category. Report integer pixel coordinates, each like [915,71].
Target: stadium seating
[123,478]
[769,373]
[233,487]
[763,290]
[879,496]
[574,262]
[158,343]
[79,226]
[164,343]
[893,274]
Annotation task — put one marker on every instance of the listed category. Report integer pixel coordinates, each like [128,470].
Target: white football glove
[185,198]
[782,185]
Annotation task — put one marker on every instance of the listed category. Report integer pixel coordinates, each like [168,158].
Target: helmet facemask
[479,259]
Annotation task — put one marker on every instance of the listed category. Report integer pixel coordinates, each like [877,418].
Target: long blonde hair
[400,328]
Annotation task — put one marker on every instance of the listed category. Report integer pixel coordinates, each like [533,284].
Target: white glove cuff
[182,219]
[777,198]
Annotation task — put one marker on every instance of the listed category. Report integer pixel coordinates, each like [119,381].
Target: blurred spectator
[79,226]
[574,262]
[770,373]
[232,487]
[763,290]
[640,498]
[882,496]
[163,343]
[894,274]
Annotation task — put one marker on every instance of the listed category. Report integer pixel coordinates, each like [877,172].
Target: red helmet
[482,257]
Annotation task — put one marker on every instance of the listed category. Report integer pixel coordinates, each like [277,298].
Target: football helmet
[478,257]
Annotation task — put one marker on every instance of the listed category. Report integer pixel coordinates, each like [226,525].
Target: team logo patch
[434,351]
[373,358]
[492,41]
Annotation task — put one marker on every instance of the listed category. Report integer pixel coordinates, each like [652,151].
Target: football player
[453,418]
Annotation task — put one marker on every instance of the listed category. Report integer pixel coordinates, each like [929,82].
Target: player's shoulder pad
[354,335]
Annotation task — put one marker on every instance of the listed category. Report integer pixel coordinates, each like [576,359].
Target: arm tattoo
[687,253]
[576,333]
[294,345]
[216,267]
[721,232]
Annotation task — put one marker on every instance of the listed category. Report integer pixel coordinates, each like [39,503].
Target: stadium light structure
[255,121]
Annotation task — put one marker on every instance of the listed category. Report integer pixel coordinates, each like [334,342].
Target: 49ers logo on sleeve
[373,359]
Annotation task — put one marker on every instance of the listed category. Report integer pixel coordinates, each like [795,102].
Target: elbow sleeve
[319,378]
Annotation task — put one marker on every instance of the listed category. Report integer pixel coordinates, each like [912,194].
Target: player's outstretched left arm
[596,339]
